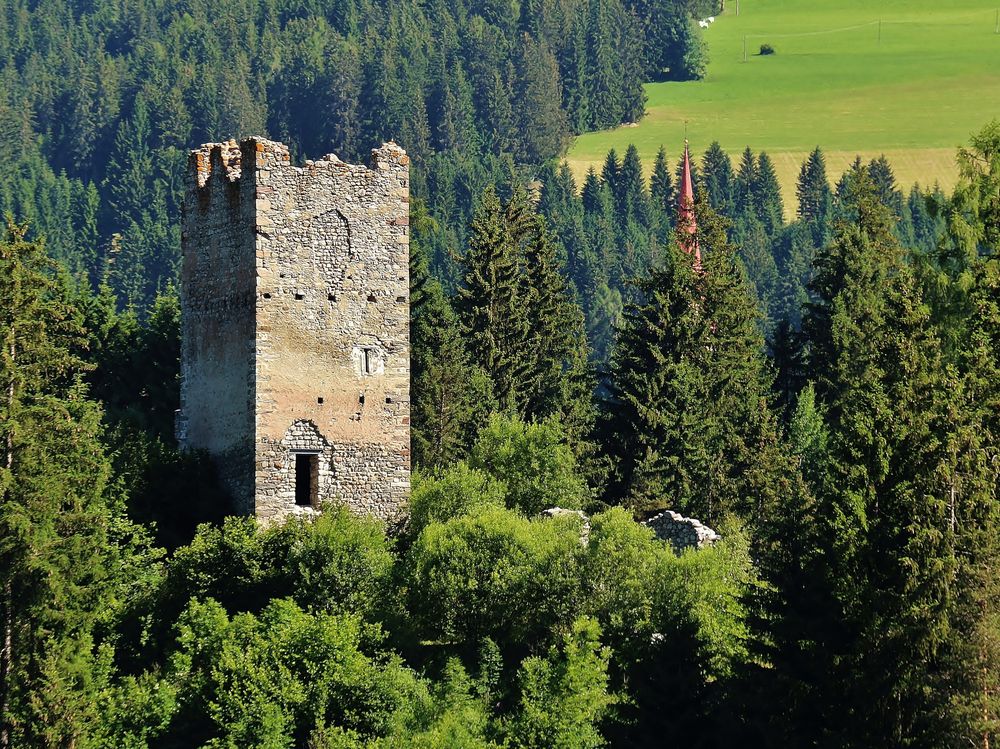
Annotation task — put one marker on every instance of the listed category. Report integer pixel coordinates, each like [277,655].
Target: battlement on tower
[295,327]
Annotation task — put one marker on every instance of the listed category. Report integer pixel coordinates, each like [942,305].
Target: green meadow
[908,79]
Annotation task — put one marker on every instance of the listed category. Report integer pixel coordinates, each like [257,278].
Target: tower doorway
[306,478]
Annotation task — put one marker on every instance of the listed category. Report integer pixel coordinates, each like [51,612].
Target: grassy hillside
[913,86]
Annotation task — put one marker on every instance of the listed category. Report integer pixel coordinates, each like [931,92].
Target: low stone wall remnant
[681,532]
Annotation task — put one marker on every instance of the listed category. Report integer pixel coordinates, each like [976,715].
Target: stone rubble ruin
[681,532]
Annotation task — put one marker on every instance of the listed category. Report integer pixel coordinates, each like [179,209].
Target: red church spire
[686,220]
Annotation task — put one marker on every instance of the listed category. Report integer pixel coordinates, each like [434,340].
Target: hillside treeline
[100,101]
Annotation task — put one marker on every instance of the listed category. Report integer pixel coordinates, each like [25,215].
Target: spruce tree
[55,561]
[971,663]
[573,72]
[767,196]
[743,189]
[885,185]
[926,219]
[605,76]
[610,176]
[590,195]
[750,235]
[630,46]
[489,301]
[967,289]
[542,123]
[661,186]
[688,425]
[451,395]
[813,189]
[880,559]
[717,178]
[632,189]
[560,378]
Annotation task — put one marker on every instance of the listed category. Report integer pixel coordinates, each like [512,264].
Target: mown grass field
[909,79]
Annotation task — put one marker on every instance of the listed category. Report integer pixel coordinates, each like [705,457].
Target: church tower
[687,223]
[295,327]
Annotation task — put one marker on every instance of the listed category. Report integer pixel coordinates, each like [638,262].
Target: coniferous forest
[823,391]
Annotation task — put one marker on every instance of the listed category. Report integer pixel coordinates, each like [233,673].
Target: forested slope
[99,102]
[825,393]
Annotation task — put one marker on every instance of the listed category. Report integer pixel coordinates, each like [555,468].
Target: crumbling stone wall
[681,532]
[313,262]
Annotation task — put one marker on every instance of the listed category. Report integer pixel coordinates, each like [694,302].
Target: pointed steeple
[686,221]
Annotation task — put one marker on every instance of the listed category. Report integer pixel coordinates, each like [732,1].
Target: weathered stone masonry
[295,327]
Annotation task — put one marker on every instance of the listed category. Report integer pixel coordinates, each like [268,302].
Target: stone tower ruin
[295,327]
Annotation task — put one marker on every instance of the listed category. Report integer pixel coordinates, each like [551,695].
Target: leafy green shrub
[534,462]
[286,678]
[619,577]
[338,562]
[494,574]
[714,583]
[229,563]
[451,492]
[564,695]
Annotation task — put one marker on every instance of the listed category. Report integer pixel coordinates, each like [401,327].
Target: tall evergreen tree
[560,377]
[543,126]
[969,690]
[885,185]
[573,72]
[55,557]
[451,394]
[813,188]
[688,422]
[717,178]
[610,175]
[767,196]
[967,287]
[661,185]
[879,558]
[605,77]
[633,196]
[488,302]
[743,189]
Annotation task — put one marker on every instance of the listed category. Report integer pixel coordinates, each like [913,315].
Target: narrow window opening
[300,297]
[367,361]
[306,479]
[320,400]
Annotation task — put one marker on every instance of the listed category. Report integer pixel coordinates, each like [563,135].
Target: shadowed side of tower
[295,327]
